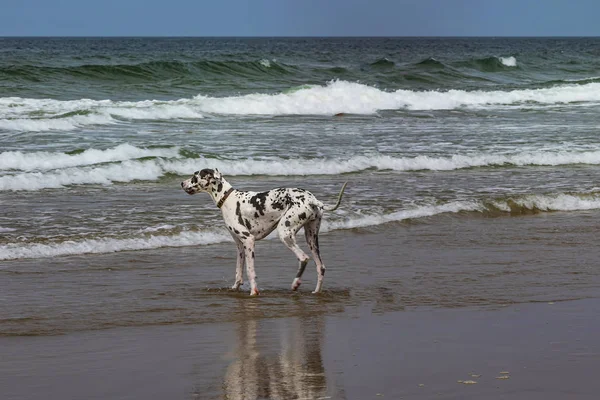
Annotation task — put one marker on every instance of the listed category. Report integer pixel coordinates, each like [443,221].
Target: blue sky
[299,18]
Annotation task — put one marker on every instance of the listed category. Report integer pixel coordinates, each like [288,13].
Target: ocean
[434,135]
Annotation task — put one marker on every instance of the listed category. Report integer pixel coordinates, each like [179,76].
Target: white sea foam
[335,97]
[110,245]
[337,166]
[508,61]
[158,228]
[3,229]
[557,202]
[355,98]
[149,170]
[154,110]
[550,202]
[402,215]
[36,115]
[542,202]
[103,175]
[45,161]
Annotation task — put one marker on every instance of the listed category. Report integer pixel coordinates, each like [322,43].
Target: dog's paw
[296,284]
[254,292]
[236,286]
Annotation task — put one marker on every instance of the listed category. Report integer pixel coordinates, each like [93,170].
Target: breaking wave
[126,163]
[489,64]
[22,114]
[525,204]
[508,61]
[517,205]
[414,213]
[109,245]
[46,161]
[545,203]
[355,98]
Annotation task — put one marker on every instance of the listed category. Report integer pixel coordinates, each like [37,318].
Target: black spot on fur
[238,212]
[247,223]
[220,187]
[205,172]
[255,215]
[236,231]
[246,234]
[252,254]
[302,216]
[287,223]
[258,201]
[277,205]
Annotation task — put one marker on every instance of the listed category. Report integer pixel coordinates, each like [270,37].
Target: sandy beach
[408,311]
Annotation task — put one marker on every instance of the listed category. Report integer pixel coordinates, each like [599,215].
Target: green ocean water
[173,68]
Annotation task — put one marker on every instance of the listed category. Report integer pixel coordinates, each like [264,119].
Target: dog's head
[203,181]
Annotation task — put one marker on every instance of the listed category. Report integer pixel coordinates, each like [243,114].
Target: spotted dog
[251,216]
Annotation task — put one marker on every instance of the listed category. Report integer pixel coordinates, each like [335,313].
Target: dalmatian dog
[251,216]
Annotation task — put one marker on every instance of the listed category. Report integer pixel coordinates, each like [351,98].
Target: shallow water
[439,262]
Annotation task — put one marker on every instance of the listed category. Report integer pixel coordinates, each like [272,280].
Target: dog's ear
[217,174]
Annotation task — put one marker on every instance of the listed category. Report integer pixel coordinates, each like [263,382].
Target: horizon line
[295,37]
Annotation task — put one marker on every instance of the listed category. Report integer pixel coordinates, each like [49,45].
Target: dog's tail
[339,200]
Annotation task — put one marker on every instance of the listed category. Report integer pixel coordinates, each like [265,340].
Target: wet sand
[408,311]
[549,351]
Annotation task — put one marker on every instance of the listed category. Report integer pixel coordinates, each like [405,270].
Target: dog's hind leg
[311,232]
[287,234]
[301,267]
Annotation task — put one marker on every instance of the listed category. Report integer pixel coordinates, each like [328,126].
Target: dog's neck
[219,196]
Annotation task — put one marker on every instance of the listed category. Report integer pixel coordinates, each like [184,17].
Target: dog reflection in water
[277,359]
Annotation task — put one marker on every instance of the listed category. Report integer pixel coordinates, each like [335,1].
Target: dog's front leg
[248,246]
[239,266]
